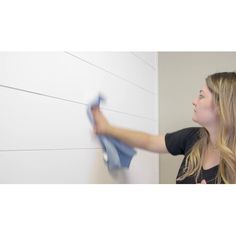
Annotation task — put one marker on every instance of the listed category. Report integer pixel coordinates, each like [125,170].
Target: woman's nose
[194,102]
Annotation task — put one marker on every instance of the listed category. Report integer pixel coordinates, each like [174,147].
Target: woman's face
[205,113]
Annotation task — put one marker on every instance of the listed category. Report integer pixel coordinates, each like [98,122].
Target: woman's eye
[201,96]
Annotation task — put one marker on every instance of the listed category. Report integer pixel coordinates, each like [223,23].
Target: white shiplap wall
[45,134]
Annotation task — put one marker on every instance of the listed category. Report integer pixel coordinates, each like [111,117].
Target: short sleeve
[180,142]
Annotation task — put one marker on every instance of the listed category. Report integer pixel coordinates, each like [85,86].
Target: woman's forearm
[131,137]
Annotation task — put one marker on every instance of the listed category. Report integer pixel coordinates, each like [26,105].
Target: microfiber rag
[119,154]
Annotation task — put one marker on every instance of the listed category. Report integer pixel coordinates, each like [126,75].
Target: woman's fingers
[203,181]
[100,122]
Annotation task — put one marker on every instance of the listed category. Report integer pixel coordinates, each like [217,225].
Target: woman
[209,150]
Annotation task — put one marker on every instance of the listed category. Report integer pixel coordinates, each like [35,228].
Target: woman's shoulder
[190,131]
[179,142]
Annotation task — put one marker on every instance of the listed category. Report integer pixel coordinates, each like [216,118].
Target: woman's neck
[213,137]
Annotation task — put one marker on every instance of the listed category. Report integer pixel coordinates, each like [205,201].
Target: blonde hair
[223,89]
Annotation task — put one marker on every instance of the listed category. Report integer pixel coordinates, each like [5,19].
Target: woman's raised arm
[138,139]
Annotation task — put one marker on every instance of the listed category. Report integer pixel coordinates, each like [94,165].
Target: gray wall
[181,75]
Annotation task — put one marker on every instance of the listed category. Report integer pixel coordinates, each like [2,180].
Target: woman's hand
[101,123]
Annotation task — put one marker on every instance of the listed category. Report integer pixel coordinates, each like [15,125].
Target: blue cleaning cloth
[119,154]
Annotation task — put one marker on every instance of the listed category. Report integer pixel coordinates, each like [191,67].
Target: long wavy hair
[223,89]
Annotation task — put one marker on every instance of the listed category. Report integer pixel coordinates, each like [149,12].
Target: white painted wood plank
[36,122]
[125,65]
[73,167]
[59,74]
[148,57]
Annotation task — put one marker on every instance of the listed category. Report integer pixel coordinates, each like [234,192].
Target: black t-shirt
[181,143]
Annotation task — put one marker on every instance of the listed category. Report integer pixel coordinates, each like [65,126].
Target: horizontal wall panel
[72,167]
[62,75]
[124,65]
[46,136]
[35,122]
[148,57]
